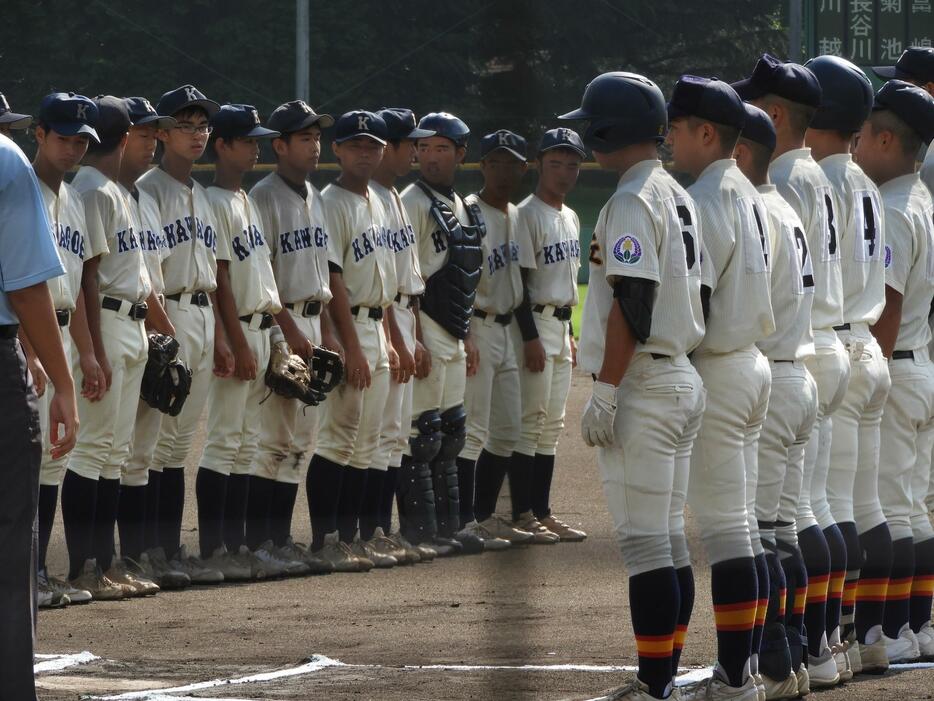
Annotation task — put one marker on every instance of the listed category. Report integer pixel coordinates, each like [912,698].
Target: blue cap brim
[155,120]
[262,132]
[675,112]
[747,90]
[417,133]
[357,136]
[509,150]
[579,113]
[885,72]
[15,120]
[73,129]
[576,149]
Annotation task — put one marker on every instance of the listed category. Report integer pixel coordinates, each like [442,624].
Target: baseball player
[246,299]
[292,216]
[10,120]
[402,321]
[901,121]
[790,94]
[492,392]
[637,329]
[135,515]
[62,135]
[706,116]
[448,232]
[852,490]
[189,271]
[792,403]
[363,284]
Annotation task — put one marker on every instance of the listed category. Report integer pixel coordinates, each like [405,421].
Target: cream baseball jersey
[359,236]
[909,255]
[241,243]
[65,210]
[297,236]
[792,283]
[862,239]
[805,187]
[927,169]
[649,229]
[500,287]
[145,217]
[122,272]
[431,238]
[549,247]
[187,222]
[736,241]
[402,238]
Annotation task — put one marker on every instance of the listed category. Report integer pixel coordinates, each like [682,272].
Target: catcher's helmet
[447,125]
[623,109]
[846,94]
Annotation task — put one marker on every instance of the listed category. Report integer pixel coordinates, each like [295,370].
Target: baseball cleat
[121,573]
[633,691]
[470,540]
[822,670]
[291,550]
[232,569]
[852,653]
[540,534]
[838,649]
[566,533]
[195,568]
[499,527]
[715,688]
[925,638]
[75,596]
[760,687]
[904,648]
[803,680]
[412,555]
[339,555]
[445,547]
[156,567]
[786,688]
[266,553]
[93,580]
[873,656]
[426,552]
[384,545]
[490,541]
[365,551]
[49,596]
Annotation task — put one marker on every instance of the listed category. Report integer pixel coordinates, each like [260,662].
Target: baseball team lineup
[756,331]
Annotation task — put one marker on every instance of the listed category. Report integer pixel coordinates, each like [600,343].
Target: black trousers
[20,454]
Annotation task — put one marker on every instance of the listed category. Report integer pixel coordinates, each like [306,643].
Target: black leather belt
[375,313]
[137,311]
[842,327]
[659,356]
[199,298]
[8,331]
[903,355]
[783,361]
[503,319]
[560,313]
[409,303]
[63,316]
[263,325]
[307,308]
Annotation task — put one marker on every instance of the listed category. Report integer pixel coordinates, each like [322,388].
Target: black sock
[733,584]
[211,495]
[130,520]
[876,544]
[151,519]
[387,498]
[79,504]
[898,593]
[922,586]
[323,488]
[238,492]
[854,561]
[686,588]
[817,562]
[796,583]
[520,472]
[762,580]
[778,590]
[837,547]
[171,508]
[350,502]
[48,503]
[466,469]
[654,602]
[369,507]
[542,473]
[283,506]
[489,476]
[105,521]
[258,509]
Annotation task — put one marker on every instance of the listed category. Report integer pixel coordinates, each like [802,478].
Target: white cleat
[822,669]
[715,688]
[635,691]
[925,638]
[904,648]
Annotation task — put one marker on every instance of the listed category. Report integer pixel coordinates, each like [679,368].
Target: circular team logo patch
[627,250]
[888,256]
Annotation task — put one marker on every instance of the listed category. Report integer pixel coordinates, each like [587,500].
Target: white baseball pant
[142,446]
[51,471]
[394,433]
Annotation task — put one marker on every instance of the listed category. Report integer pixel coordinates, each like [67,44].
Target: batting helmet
[623,109]
[846,94]
[447,125]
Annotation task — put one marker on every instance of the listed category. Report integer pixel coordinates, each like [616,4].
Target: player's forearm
[339,309]
[286,322]
[392,327]
[33,306]
[226,308]
[79,328]
[619,348]
[886,329]
[156,318]
[92,304]
[418,322]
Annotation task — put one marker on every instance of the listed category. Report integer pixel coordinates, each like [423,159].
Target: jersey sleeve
[98,216]
[718,241]
[793,198]
[221,215]
[632,240]
[900,251]
[334,221]
[526,238]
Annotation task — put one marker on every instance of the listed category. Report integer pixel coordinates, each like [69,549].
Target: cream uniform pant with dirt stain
[351,419]
[51,471]
[394,434]
[289,428]
[106,426]
[234,411]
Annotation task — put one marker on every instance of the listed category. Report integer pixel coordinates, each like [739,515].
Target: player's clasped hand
[299,343]
[599,416]
[93,382]
[223,358]
[244,364]
[357,370]
[39,378]
[406,365]
[534,353]
[422,361]
[473,356]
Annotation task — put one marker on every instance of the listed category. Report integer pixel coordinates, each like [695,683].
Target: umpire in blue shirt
[27,259]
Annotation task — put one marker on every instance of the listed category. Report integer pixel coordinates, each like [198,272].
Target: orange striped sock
[782,596]
[654,646]
[872,589]
[801,595]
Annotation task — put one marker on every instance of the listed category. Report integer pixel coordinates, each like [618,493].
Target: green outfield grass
[578,310]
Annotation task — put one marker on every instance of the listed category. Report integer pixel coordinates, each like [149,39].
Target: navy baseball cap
[186,96]
[562,137]
[233,121]
[709,99]
[10,118]
[792,81]
[142,112]
[360,123]
[505,140]
[113,119]
[913,105]
[401,124]
[758,127]
[69,114]
[297,115]
[915,64]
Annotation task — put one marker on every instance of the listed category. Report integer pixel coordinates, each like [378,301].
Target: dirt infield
[452,629]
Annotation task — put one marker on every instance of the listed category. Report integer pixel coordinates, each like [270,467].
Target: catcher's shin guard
[414,487]
[444,470]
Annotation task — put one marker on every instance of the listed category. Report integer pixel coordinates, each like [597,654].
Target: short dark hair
[191,111]
[728,135]
[886,120]
[799,115]
[761,155]
[103,148]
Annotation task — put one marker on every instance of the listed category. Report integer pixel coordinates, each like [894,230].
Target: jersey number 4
[867,218]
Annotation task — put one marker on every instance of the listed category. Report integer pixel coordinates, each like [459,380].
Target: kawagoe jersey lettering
[179,233]
[246,242]
[300,239]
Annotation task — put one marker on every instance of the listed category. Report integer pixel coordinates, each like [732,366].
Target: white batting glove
[599,415]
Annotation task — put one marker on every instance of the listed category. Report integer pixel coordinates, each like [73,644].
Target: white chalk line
[54,663]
